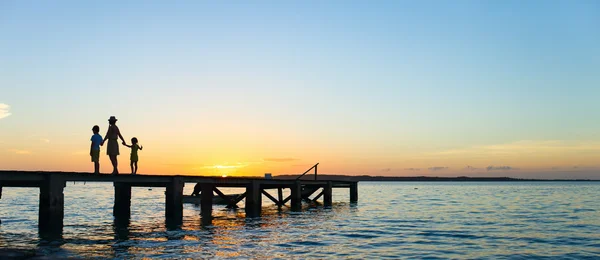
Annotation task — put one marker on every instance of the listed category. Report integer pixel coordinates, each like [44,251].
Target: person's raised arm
[141,147]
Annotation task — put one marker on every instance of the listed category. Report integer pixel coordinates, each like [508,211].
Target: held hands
[102,144]
[124,143]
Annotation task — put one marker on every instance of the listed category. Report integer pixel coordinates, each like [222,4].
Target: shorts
[95,155]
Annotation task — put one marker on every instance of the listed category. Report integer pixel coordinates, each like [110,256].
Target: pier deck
[52,184]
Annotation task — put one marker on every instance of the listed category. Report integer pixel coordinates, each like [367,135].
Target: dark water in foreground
[394,220]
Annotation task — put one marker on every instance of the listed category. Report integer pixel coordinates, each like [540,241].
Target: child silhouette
[134,156]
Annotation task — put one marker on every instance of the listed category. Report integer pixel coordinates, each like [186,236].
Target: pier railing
[314,167]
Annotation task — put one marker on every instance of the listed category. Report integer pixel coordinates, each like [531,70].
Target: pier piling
[296,196]
[253,199]
[174,202]
[206,200]
[52,204]
[279,196]
[354,192]
[122,206]
[327,194]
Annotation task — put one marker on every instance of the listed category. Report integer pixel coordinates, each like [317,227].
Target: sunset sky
[394,88]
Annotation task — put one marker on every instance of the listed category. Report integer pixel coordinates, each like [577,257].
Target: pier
[52,185]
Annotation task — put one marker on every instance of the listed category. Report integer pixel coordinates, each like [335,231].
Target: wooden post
[253,199]
[174,202]
[52,205]
[279,197]
[122,205]
[206,200]
[327,194]
[316,171]
[296,196]
[354,192]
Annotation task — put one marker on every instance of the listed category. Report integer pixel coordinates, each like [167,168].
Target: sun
[224,175]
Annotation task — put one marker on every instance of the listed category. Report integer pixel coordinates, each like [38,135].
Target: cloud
[279,159]
[386,170]
[4,110]
[438,168]
[22,152]
[470,168]
[521,148]
[500,168]
[45,140]
[412,169]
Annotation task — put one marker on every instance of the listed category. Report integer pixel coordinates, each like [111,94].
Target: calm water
[391,220]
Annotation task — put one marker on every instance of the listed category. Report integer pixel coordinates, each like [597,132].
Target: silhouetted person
[112,150]
[95,148]
[134,156]
[197,190]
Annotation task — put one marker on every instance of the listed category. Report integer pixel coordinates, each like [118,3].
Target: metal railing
[314,166]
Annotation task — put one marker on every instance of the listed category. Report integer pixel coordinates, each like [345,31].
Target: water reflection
[450,220]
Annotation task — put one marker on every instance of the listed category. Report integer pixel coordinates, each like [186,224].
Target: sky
[238,88]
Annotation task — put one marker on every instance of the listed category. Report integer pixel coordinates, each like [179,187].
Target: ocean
[412,220]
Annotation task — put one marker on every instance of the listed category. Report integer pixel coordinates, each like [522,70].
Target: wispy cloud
[4,110]
[470,168]
[22,152]
[525,147]
[386,170]
[412,169]
[45,140]
[279,159]
[500,168]
[438,168]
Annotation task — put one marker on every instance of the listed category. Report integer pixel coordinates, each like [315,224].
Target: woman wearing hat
[113,146]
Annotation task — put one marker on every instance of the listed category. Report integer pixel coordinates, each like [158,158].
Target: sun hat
[112,118]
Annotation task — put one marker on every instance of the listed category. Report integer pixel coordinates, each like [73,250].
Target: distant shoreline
[423,178]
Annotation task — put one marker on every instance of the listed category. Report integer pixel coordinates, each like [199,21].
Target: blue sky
[361,81]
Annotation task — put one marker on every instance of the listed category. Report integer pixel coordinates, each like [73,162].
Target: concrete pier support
[253,199]
[122,206]
[354,192]
[296,196]
[174,202]
[328,194]
[52,205]
[206,200]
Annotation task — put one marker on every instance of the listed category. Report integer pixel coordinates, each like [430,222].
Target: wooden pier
[52,184]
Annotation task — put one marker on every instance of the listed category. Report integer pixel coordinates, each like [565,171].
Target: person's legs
[135,172]
[115,163]
[132,170]
[96,167]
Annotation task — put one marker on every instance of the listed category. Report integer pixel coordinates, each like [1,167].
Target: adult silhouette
[112,149]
